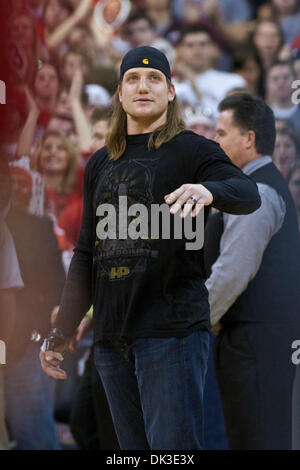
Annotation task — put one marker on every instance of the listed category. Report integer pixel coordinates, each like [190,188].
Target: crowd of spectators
[64,57]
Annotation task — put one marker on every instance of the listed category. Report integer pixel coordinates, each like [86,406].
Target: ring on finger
[192,198]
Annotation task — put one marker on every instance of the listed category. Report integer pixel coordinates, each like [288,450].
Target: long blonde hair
[117,132]
[70,176]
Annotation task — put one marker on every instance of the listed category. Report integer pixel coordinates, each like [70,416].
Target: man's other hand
[192,196]
[50,362]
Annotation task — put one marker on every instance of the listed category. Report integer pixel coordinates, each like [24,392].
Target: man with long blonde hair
[151,311]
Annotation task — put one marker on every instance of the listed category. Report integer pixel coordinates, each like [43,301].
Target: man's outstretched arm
[232,191]
[215,181]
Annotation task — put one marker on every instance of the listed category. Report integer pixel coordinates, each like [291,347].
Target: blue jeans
[29,403]
[154,388]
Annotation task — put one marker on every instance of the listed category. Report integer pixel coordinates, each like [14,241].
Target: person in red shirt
[57,161]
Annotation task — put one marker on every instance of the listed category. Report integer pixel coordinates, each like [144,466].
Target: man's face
[140,33]
[279,82]
[196,50]
[144,94]
[99,134]
[231,138]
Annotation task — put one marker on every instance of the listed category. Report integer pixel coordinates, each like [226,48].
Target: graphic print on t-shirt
[118,258]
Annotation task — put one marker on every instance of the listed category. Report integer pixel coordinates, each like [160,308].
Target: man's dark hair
[251,113]
[282,63]
[194,29]
[136,15]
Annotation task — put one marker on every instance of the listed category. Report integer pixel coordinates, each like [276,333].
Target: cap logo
[145,61]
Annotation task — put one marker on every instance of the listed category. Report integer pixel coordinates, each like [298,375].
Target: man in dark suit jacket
[254,286]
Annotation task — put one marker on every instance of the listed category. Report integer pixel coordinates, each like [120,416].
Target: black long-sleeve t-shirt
[147,287]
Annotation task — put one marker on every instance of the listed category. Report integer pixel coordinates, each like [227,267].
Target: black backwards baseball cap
[148,57]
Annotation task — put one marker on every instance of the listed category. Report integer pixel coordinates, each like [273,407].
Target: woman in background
[246,62]
[268,40]
[57,161]
[287,149]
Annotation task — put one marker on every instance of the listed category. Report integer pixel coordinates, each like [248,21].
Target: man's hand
[191,196]
[50,361]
